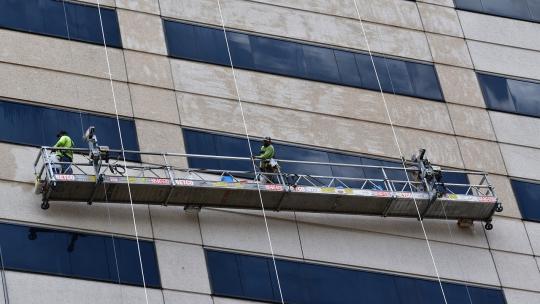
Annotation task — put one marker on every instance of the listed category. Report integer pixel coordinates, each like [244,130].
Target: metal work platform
[165,184]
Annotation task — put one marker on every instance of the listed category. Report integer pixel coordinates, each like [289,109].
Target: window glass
[528,198]
[526,96]
[509,8]
[534,7]
[48,17]
[77,255]
[341,171]
[473,5]
[294,59]
[252,277]
[38,126]
[496,94]
[320,64]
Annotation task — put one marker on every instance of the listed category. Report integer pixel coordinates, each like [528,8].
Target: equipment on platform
[420,193]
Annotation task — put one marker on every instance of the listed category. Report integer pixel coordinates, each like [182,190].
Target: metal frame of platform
[164,184]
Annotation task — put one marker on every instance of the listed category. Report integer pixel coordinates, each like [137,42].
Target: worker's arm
[62,142]
[268,153]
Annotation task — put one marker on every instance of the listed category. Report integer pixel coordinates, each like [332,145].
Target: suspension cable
[122,149]
[250,151]
[399,150]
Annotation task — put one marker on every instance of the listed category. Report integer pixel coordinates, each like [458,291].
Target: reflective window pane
[424,80]
[399,76]
[275,56]
[61,19]
[528,197]
[508,8]
[534,7]
[320,64]
[78,255]
[252,277]
[474,5]
[348,70]
[526,96]
[496,94]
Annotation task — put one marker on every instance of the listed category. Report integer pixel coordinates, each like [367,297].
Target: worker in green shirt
[65,156]
[265,155]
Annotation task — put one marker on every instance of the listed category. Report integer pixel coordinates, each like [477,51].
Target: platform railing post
[47,161]
[387,182]
[171,176]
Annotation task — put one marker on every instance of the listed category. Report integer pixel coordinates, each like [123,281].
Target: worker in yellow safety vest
[266,156]
[63,155]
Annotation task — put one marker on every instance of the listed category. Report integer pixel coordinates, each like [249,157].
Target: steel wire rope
[4,280]
[460,265]
[250,152]
[399,150]
[122,149]
[82,132]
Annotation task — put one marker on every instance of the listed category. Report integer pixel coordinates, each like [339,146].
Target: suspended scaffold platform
[415,195]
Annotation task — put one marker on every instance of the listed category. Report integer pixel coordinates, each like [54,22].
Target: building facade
[460,79]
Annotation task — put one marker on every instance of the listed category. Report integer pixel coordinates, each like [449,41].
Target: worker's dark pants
[66,168]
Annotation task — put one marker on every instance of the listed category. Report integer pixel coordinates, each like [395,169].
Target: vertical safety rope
[4,282]
[122,149]
[82,132]
[399,150]
[250,151]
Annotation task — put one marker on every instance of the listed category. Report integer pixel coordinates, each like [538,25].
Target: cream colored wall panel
[154,104]
[439,19]
[38,289]
[481,155]
[300,127]
[521,161]
[392,12]
[460,86]
[471,122]
[516,129]
[343,8]
[449,50]
[441,149]
[517,270]
[160,137]
[505,60]
[514,296]
[218,300]
[533,231]
[509,235]
[21,204]
[17,162]
[204,11]
[147,6]
[148,69]
[110,3]
[61,55]
[398,254]
[182,267]
[408,112]
[62,89]
[437,230]
[174,224]
[173,297]
[203,79]
[504,193]
[449,3]
[498,30]
[248,233]
[142,32]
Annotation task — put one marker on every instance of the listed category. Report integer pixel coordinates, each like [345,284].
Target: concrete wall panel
[460,86]
[516,129]
[505,60]
[228,230]
[154,104]
[60,54]
[173,297]
[521,161]
[471,122]
[409,112]
[449,3]
[174,224]
[509,235]
[481,155]
[148,69]
[439,19]
[391,12]
[337,7]
[78,92]
[147,6]
[533,232]
[449,50]
[182,267]
[37,289]
[514,296]
[161,137]
[142,32]
[517,270]
[507,31]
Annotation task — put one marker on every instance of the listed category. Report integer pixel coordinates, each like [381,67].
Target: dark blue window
[61,19]
[205,143]
[510,95]
[37,126]
[293,59]
[528,198]
[527,10]
[254,278]
[78,255]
